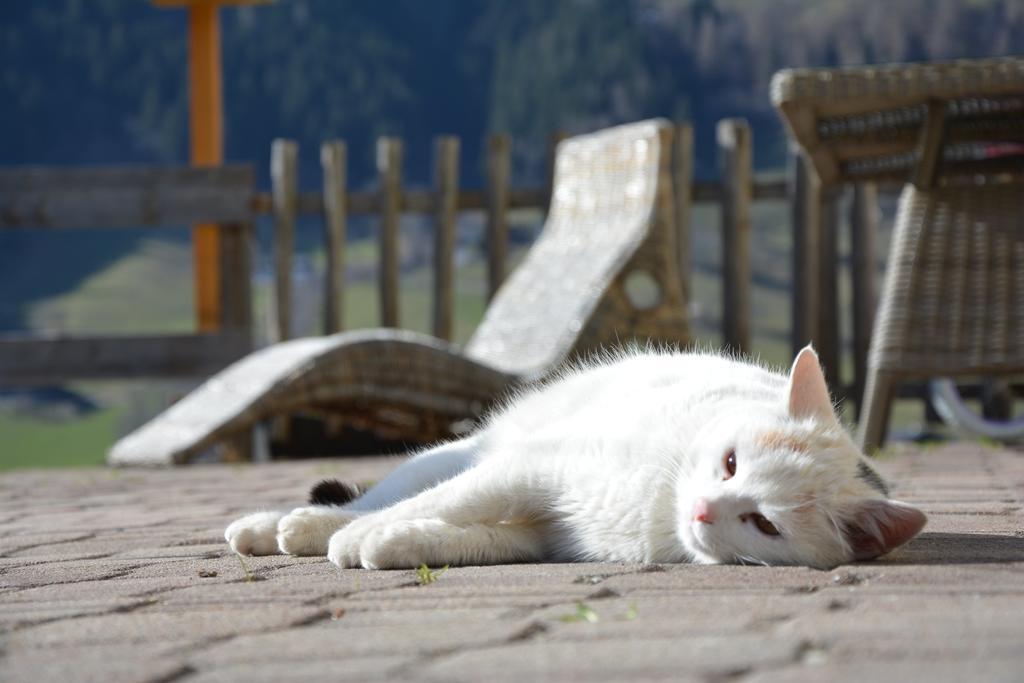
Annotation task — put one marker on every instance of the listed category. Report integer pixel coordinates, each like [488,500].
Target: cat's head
[788,487]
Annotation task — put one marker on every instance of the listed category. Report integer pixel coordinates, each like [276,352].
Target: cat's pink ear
[808,392]
[874,527]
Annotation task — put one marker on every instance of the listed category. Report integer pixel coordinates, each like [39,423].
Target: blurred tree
[573,65]
[104,81]
[84,81]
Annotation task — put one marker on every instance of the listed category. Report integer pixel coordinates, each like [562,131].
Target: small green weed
[582,613]
[425,574]
[249,578]
[585,613]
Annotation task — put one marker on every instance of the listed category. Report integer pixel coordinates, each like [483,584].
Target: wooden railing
[816,221]
[51,198]
[335,203]
[59,198]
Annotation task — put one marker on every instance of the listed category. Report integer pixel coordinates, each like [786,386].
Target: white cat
[646,457]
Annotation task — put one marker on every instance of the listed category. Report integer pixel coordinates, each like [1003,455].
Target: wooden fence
[52,198]
[815,218]
[74,198]
[335,203]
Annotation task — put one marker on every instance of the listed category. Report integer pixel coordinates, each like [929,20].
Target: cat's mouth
[696,541]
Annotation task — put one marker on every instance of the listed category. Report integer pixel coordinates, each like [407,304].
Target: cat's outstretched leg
[419,473]
[433,542]
[307,530]
[254,534]
[492,500]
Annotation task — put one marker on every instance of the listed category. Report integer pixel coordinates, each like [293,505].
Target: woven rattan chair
[953,300]
[610,219]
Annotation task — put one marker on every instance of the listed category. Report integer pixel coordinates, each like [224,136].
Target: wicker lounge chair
[610,218]
[953,300]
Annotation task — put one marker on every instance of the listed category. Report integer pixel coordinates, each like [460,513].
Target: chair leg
[238,447]
[879,391]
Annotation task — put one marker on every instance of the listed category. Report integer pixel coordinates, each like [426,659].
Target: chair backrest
[875,122]
[610,220]
[954,291]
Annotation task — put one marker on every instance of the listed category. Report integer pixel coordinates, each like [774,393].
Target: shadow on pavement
[941,548]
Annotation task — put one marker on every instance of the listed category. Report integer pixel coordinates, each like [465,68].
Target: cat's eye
[730,463]
[763,525]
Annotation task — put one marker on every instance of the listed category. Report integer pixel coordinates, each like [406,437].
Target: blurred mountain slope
[103,81]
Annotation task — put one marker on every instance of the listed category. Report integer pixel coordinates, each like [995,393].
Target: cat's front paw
[254,534]
[382,544]
[307,531]
[406,544]
[344,546]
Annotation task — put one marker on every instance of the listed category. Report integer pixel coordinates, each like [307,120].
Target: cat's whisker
[748,560]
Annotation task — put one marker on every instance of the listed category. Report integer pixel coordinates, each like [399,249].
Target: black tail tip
[333,492]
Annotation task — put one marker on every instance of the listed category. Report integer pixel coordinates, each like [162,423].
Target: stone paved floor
[122,575]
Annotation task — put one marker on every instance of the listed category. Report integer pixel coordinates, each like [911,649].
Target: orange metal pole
[206,119]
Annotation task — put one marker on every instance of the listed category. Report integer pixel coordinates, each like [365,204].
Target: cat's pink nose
[702,511]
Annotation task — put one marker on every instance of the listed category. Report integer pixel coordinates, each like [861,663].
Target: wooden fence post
[497,211]
[389,171]
[284,156]
[333,162]
[446,184]
[682,182]
[827,339]
[735,170]
[803,196]
[236,278]
[863,232]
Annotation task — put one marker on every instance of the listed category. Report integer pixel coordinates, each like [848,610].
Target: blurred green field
[149,291]
[36,443]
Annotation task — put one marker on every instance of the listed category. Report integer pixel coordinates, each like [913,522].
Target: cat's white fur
[623,460]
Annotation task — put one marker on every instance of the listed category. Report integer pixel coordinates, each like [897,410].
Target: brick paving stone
[511,603]
[173,552]
[966,527]
[676,616]
[315,670]
[818,668]
[26,572]
[111,589]
[14,543]
[341,638]
[15,615]
[107,664]
[153,624]
[616,658]
[122,575]
[963,624]
[296,590]
[109,545]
